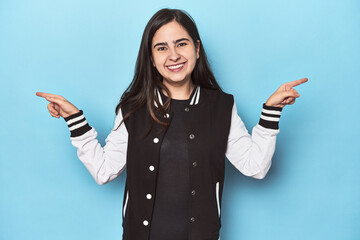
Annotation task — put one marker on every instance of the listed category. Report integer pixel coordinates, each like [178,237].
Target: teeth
[176,66]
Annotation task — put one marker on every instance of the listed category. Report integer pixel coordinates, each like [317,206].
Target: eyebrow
[175,42]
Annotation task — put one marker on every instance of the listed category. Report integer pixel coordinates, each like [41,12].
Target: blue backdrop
[86,51]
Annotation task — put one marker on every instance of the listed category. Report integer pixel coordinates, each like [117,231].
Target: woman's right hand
[58,105]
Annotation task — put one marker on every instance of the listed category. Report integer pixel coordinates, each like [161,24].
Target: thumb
[290,93]
[57,107]
[55,100]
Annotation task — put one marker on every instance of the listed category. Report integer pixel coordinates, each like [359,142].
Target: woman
[173,128]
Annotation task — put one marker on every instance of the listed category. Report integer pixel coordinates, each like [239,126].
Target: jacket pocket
[125,204]
[218,198]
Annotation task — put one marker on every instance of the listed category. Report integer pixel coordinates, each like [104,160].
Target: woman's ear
[197,49]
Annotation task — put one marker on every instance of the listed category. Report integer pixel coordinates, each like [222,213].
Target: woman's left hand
[285,95]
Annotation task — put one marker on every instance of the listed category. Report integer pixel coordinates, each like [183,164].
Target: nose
[174,55]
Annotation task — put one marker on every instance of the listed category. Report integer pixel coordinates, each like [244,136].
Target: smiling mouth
[176,68]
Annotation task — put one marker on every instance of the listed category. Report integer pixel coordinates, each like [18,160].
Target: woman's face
[174,53]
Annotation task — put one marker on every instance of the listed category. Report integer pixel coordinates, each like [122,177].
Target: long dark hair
[146,79]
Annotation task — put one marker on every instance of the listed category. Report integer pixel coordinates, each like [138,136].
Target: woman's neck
[180,91]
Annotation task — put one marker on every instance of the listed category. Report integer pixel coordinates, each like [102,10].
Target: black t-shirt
[170,215]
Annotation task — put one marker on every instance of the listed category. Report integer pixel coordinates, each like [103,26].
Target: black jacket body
[207,124]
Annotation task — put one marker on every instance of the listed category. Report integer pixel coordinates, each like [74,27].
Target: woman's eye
[182,44]
[161,49]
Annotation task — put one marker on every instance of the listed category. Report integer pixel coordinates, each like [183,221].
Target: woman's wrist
[77,124]
[270,116]
[270,104]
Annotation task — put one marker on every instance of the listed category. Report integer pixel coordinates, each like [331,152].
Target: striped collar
[194,99]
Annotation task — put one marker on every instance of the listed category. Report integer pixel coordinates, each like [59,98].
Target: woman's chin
[177,81]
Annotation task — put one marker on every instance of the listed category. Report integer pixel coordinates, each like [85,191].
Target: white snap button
[156,140]
[151,168]
[145,223]
[167,115]
[148,196]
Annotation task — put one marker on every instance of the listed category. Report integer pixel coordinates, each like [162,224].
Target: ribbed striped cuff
[77,124]
[270,117]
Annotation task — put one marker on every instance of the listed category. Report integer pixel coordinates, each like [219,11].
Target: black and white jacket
[214,131]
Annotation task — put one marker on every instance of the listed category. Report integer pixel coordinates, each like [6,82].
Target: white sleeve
[252,154]
[104,163]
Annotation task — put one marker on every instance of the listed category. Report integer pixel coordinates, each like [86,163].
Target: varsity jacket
[214,131]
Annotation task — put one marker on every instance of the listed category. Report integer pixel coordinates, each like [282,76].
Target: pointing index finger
[297,82]
[44,95]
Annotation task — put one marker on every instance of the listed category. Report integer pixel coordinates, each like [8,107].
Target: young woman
[173,128]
